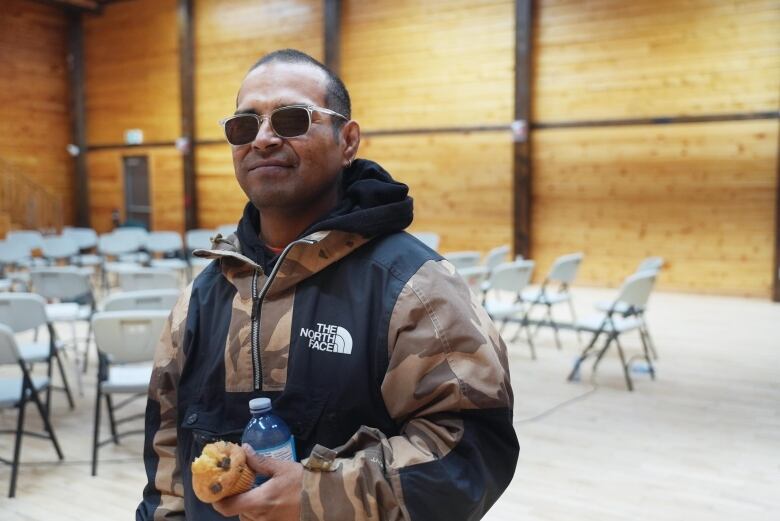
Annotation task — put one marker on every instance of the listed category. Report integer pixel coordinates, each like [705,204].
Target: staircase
[26,205]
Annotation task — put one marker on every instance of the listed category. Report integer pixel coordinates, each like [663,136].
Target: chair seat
[19,276]
[172,264]
[11,389]
[621,325]
[34,352]
[118,267]
[606,305]
[5,284]
[498,309]
[87,259]
[127,379]
[67,312]
[549,297]
[138,257]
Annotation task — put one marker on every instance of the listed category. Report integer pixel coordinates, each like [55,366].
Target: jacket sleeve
[163,493]
[447,386]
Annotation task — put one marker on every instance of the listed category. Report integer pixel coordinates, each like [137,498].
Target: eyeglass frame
[261,118]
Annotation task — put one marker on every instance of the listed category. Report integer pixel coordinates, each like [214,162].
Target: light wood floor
[701,442]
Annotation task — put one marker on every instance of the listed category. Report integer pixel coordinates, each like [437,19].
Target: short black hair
[336,94]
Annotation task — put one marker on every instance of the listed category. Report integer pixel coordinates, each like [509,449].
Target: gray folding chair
[463,259]
[563,272]
[122,248]
[15,393]
[475,277]
[147,278]
[198,239]
[430,239]
[86,239]
[141,300]
[633,295]
[27,311]
[31,240]
[126,341]
[13,257]
[496,256]
[503,303]
[169,245]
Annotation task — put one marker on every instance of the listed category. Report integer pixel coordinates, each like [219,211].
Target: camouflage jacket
[389,372]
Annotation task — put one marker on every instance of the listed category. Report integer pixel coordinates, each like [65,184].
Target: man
[391,376]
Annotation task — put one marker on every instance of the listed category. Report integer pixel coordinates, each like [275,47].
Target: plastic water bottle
[268,434]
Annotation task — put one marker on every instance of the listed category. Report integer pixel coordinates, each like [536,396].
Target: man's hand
[278,499]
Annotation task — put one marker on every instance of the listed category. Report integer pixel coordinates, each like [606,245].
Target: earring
[349,163]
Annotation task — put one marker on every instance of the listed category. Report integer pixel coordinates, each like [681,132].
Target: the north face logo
[326,337]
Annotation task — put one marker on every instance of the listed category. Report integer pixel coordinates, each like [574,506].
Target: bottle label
[284,451]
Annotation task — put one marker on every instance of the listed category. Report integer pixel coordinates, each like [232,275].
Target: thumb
[263,465]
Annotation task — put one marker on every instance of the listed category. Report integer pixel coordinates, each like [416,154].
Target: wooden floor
[701,442]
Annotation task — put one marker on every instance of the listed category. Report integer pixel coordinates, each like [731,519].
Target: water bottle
[268,434]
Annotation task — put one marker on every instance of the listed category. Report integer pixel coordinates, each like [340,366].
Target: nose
[266,137]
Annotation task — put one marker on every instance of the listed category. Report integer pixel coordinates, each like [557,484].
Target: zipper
[257,303]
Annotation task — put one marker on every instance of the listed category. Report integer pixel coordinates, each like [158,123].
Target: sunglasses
[286,122]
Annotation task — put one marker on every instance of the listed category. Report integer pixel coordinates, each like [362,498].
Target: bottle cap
[259,405]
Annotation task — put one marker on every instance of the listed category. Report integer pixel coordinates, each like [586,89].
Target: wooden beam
[187,93]
[776,269]
[86,5]
[521,128]
[332,10]
[78,117]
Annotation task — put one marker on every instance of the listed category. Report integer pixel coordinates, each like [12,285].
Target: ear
[350,133]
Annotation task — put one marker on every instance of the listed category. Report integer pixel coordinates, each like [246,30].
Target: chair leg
[96,430]
[650,343]
[71,403]
[583,356]
[46,423]
[629,383]
[555,328]
[111,419]
[645,349]
[574,321]
[18,444]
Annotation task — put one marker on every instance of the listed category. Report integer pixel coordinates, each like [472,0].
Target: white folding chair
[59,248]
[13,256]
[86,239]
[27,311]
[147,278]
[199,239]
[475,277]
[226,229]
[126,342]
[430,239]
[140,300]
[563,272]
[463,259]
[496,256]
[15,393]
[117,247]
[503,303]
[633,295]
[168,245]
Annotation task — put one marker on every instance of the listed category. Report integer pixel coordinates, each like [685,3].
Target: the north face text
[327,337]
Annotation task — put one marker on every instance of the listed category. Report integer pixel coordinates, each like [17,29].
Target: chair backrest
[22,311]
[199,239]
[137,233]
[9,351]
[147,278]
[463,259]
[118,244]
[85,238]
[430,239]
[497,256]
[650,263]
[145,299]
[565,267]
[636,289]
[226,229]
[31,238]
[65,283]
[474,276]
[60,247]
[164,242]
[128,336]
[12,252]
[511,276]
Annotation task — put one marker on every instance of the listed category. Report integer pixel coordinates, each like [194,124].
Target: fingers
[261,464]
[247,502]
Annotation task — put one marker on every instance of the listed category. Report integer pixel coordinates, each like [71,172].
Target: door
[137,209]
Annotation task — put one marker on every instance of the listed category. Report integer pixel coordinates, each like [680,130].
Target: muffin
[221,471]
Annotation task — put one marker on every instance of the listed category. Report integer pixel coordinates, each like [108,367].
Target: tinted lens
[241,129]
[290,121]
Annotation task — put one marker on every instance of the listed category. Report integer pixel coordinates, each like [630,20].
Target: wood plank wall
[702,195]
[35,124]
[438,64]
[132,82]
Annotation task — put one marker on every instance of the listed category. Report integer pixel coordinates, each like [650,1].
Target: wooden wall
[439,64]
[35,122]
[702,195]
[132,82]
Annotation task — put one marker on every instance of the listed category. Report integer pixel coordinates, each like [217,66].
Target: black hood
[371,204]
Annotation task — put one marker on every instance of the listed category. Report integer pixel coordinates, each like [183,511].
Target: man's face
[287,173]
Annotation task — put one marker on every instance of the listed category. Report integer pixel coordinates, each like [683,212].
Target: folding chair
[86,239]
[509,280]
[59,248]
[463,259]
[169,245]
[122,248]
[430,239]
[71,288]
[652,264]
[147,278]
[26,311]
[633,295]
[475,277]
[15,255]
[198,239]
[126,342]
[496,256]
[16,393]
[563,272]
[226,229]
[32,240]
[140,300]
